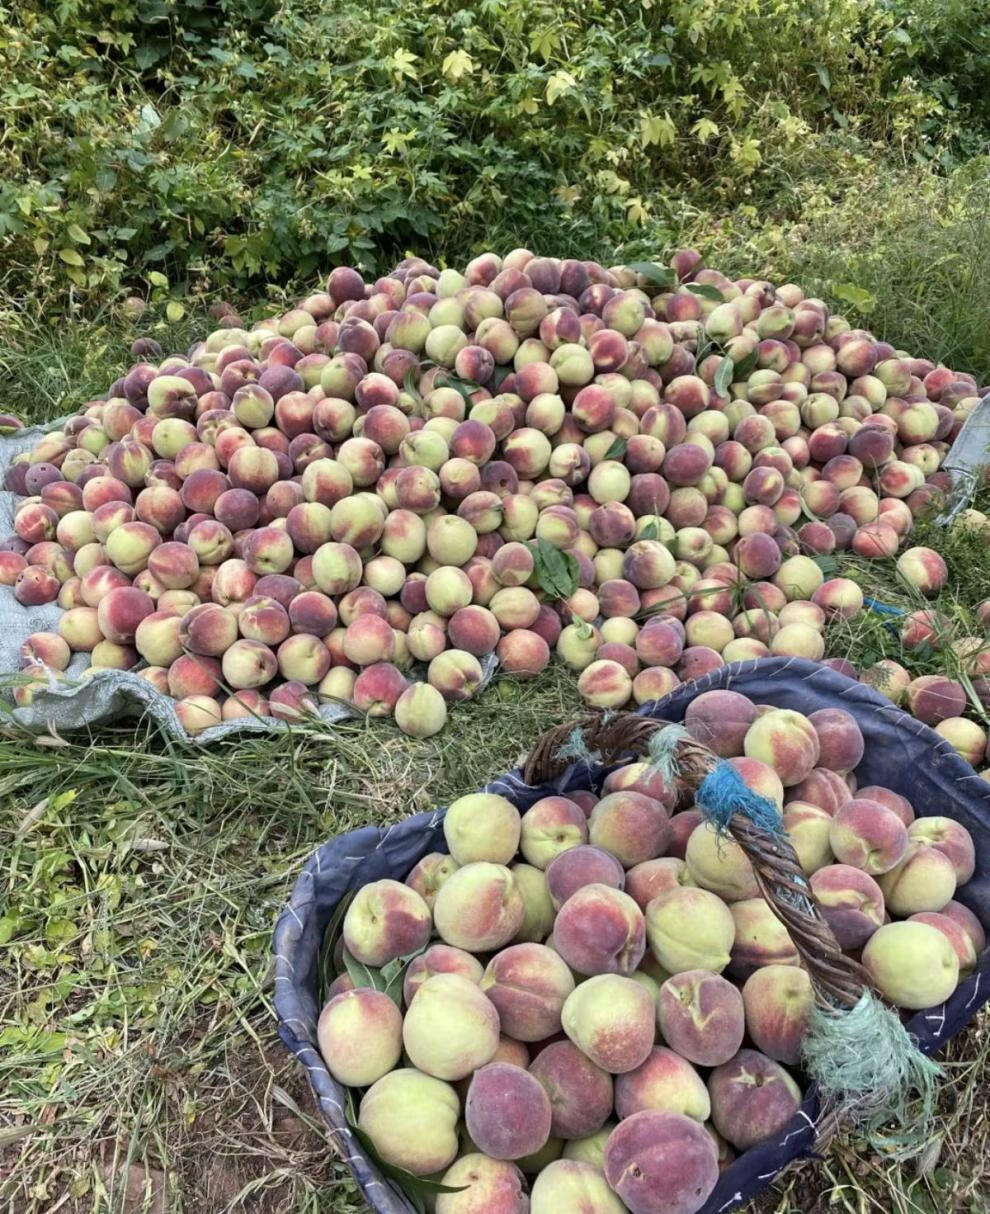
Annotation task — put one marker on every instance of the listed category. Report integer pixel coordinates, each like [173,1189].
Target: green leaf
[661,276]
[650,531]
[77,234]
[464,386]
[70,257]
[705,291]
[157,279]
[584,629]
[857,297]
[174,310]
[388,979]
[617,449]
[500,375]
[556,571]
[723,376]
[746,365]
[410,384]
[415,1187]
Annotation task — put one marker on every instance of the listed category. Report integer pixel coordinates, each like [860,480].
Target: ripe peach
[385,920]
[717,863]
[610,1019]
[868,836]
[412,1120]
[923,880]
[752,1098]
[528,984]
[950,837]
[700,1015]
[360,1036]
[479,908]
[580,1092]
[912,964]
[688,929]
[631,826]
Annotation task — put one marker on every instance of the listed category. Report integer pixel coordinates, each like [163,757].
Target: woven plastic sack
[901,754]
[109,694]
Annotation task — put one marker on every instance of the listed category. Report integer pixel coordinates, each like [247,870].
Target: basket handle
[837,980]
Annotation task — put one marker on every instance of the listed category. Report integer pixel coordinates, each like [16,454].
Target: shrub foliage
[224,141]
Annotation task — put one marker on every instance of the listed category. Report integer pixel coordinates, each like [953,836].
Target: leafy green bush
[233,141]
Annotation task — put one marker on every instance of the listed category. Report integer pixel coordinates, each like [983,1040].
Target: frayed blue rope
[723,792]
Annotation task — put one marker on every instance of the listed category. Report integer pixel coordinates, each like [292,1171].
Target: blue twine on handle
[723,792]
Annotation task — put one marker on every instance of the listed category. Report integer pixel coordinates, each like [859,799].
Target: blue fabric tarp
[901,754]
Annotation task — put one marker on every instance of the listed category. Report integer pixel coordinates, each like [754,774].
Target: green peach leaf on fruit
[416,1188]
[556,570]
[660,276]
[723,376]
[705,291]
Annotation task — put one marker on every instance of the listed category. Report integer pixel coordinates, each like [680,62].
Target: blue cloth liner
[901,753]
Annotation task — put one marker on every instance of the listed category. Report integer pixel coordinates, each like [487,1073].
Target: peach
[868,836]
[652,877]
[450,1028]
[950,837]
[923,569]
[482,826]
[605,684]
[196,713]
[455,673]
[552,825]
[610,1019]
[760,939]
[579,867]
[642,778]
[778,1001]
[193,675]
[717,863]
[411,1119]
[528,984]
[360,1036]
[890,800]
[631,826]
[248,664]
[665,1082]
[752,1098]
[923,880]
[720,720]
[420,711]
[47,648]
[428,874]
[475,630]
[970,924]
[786,741]
[600,930]
[955,933]
[823,788]
[808,828]
[35,585]
[700,1015]
[367,640]
[967,738]
[385,920]
[580,1092]
[661,1162]
[934,698]
[487,1186]
[688,929]
[479,908]
[439,959]
[912,964]
[120,611]
[208,629]
[246,704]
[840,740]
[571,1184]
